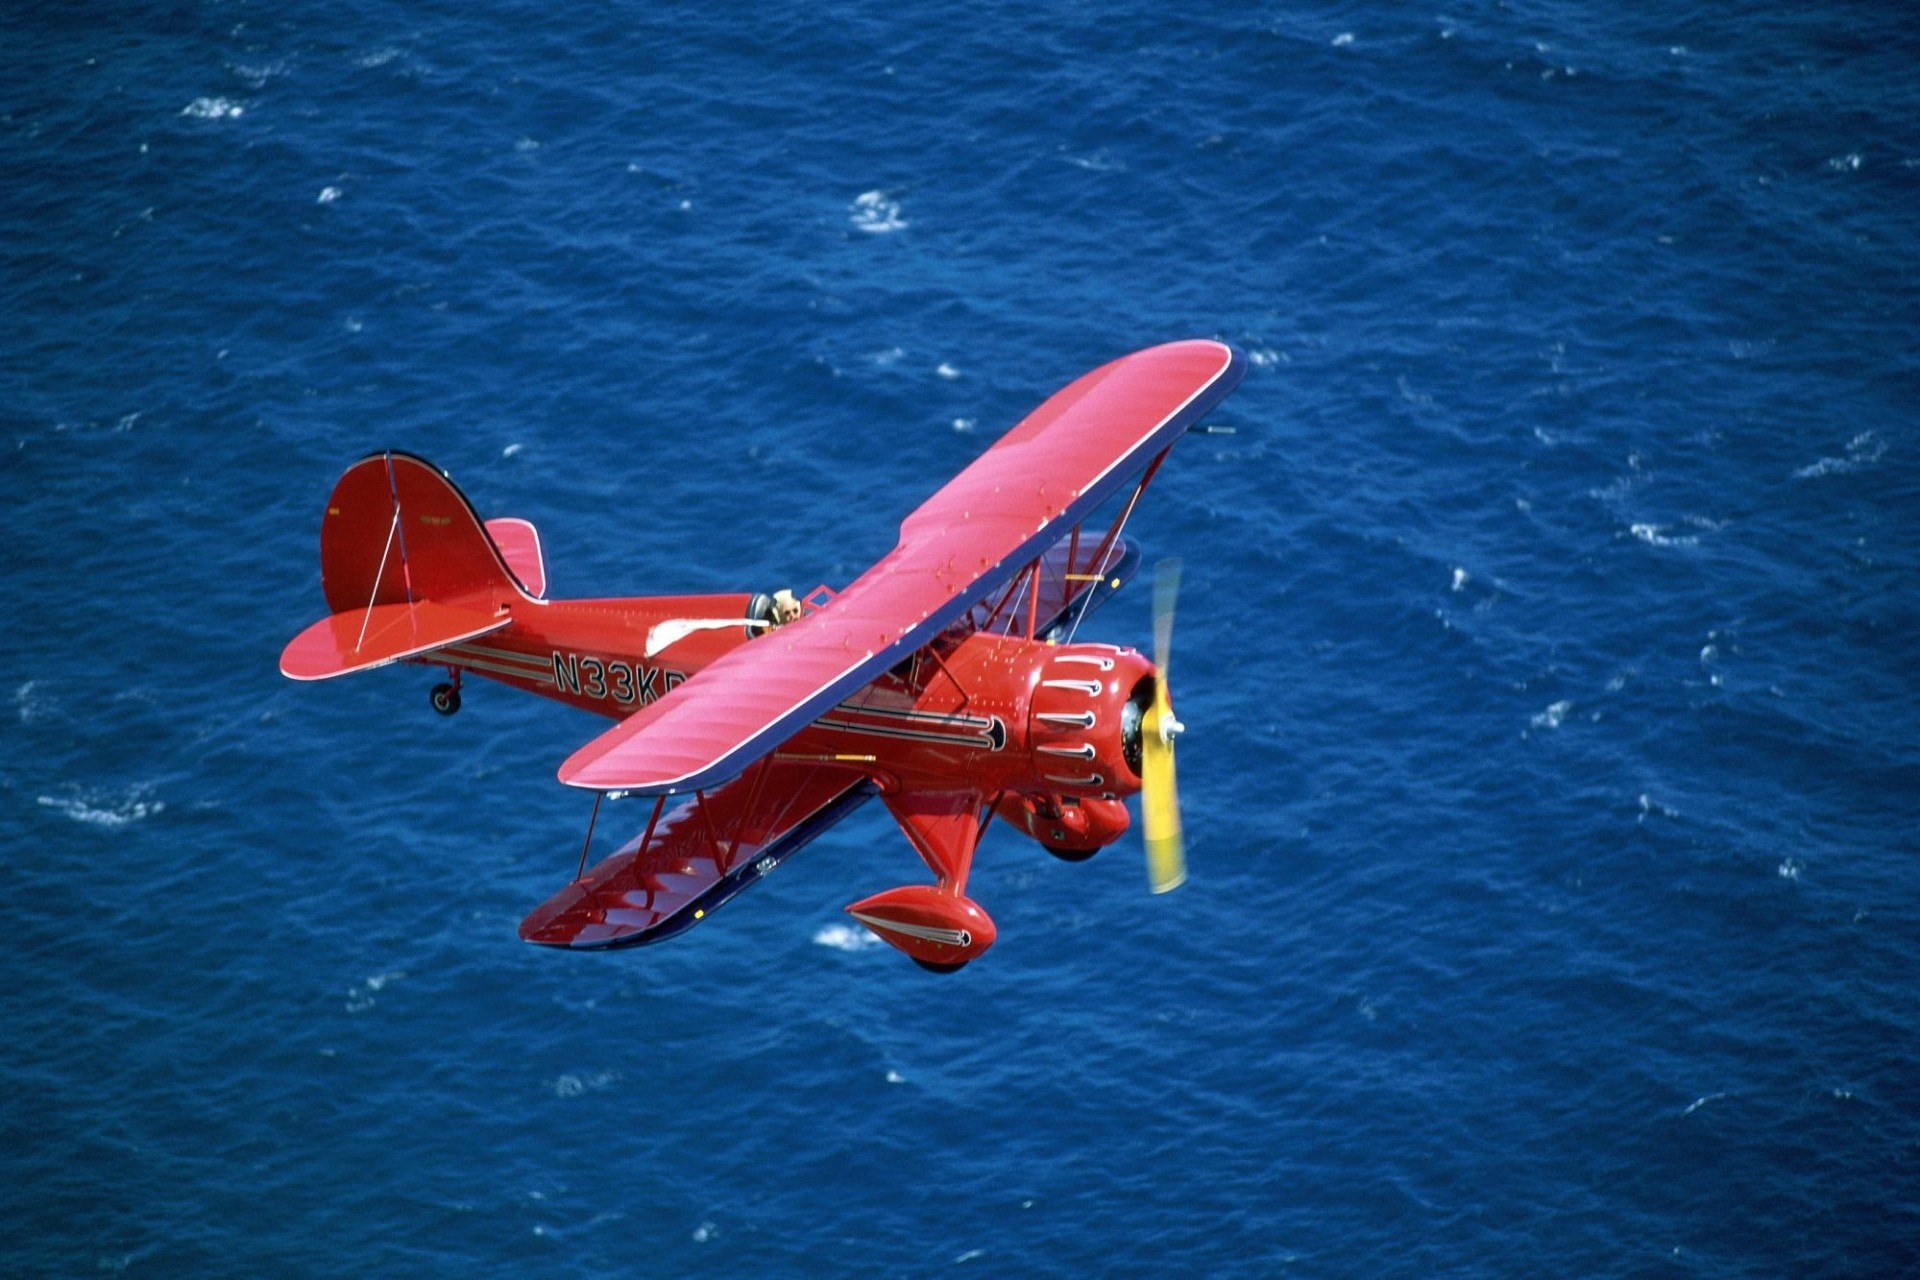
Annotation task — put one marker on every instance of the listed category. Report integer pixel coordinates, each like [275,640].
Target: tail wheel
[445,698]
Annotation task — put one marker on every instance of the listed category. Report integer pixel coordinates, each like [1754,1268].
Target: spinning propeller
[1159,798]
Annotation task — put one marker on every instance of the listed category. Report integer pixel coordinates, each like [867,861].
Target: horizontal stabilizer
[360,639]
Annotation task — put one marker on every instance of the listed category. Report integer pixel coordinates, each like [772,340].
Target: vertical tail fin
[397,531]
[407,567]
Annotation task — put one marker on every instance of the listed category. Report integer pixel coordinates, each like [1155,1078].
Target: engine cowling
[1083,722]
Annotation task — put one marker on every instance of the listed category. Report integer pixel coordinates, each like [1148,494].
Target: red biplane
[946,679]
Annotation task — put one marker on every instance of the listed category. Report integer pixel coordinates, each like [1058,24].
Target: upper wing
[1049,472]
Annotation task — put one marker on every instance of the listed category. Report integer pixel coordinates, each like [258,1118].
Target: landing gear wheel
[445,698]
[1069,855]
[931,967]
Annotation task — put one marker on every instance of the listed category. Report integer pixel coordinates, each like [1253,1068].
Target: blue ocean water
[1552,780]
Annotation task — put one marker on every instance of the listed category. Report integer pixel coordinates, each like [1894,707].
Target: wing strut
[1099,562]
[934,653]
[592,818]
[753,798]
[1008,595]
[1126,512]
[659,803]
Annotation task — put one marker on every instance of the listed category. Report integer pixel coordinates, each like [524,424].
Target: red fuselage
[1041,728]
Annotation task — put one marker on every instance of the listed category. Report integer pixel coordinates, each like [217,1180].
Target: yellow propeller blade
[1160,809]
[1166,590]
[1159,794]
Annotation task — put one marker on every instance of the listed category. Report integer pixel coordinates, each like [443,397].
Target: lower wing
[699,855]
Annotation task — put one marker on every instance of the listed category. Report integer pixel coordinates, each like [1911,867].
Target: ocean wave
[1552,716]
[576,1083]
[360,995]
[214,109]
[257,75]
[1863,450]
[94,810]
[875,213]
[1655,535]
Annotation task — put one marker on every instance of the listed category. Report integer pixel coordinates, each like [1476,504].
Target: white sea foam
[1552,716]
[893,1077]
[575,1084]
[360,995]
[1654,536]
[963,425]
[328,195]
[98,811]
[510,450]
[26,703]
[1461,578]
[1651,807]
[1342,40]
[845,937]
[1863,450]
[376,58]
[875,213]
[213,109]
[705,1232]
[1098,162]
[1698,1103]
[1846,163]
[257,76]
[1790,868]
[144,216]
[947,371]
